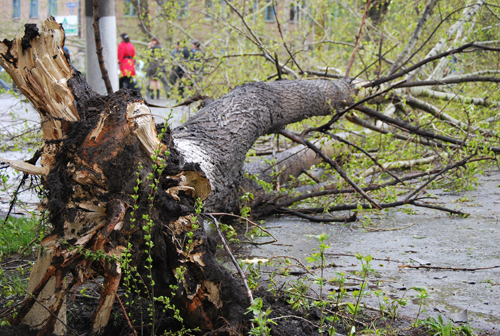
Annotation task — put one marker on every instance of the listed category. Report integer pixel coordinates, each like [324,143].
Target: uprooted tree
[122,192]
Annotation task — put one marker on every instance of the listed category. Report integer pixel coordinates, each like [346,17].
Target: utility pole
[107,26]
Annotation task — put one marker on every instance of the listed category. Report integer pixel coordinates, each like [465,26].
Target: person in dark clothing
[154,71]
[197,55]
[178,54]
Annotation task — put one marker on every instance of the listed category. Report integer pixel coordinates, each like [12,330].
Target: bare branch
[430,59]
[474,74]
[283,40]
[349,219]
[455,97]
[417,130]
[233,259]
[452,80]
[256,40]
[331,162]
[365,206]
[330,191]
[425,142]
[358,38]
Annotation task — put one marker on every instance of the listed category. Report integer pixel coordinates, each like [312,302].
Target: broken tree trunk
[121,199]
[101,203]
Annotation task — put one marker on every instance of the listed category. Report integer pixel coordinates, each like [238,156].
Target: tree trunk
[92,148]
[219,136]
[121,199]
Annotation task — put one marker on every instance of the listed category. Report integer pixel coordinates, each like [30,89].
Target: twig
[449,268]
[347,142]
[248,220]
[447,81]
[365,206]
[353,255]
[283,39]
[98,49]
[343,191]
[414,38]
[346,317]
[233,259]
[380,56]
[304,171]
[389,229]
[332,163]
[29,244]
[278,67]
[425,142]
[295,317]
[256,40]
[358,38]
[293,258]
[44,307]
[126,315]
[32,161]
[15,267]
[349,219]
[14,198]
[444,170]
[376,61]
[417,130]
[8,310]
[437,207]
[430,59]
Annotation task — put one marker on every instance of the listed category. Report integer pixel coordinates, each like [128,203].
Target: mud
[434,237]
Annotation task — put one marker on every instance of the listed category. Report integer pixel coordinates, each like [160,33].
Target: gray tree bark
[220,135]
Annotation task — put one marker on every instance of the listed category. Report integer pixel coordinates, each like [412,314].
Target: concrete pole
[107,25]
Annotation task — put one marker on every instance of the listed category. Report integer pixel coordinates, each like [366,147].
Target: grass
[17,233]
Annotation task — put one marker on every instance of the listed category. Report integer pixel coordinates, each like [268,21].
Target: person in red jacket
[126,54]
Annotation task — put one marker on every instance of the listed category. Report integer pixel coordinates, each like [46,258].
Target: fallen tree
[122,192]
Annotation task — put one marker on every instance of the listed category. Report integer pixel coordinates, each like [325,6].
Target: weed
[337,297]
[421,296]
[254,273]
[261,319]
[17,233]
[319,258]
[365,270]
[297,295]
[14,283]
[438,327]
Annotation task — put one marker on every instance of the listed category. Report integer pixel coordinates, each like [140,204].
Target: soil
[290,322]
[82,302]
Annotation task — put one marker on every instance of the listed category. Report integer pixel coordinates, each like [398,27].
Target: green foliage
[365,270]
[13,284]
[260,318]
[252,272]
[421,295]
[438,327]
[17,233]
